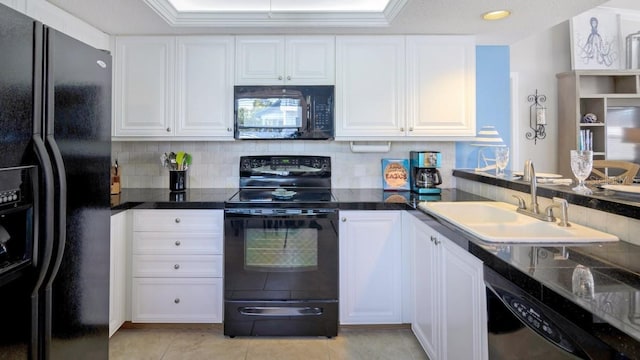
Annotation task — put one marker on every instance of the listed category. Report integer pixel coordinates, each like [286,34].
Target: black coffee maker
[425,176]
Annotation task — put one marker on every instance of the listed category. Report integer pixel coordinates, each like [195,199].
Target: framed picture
[595,40]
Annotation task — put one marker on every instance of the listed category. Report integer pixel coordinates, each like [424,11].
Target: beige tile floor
[166,343]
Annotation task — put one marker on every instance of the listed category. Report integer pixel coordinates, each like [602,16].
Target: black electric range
[281,249]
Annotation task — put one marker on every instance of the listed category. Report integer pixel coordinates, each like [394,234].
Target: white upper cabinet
[144,85]
[290,60]
[405,87]
[370,86]
[205,86]
[441,86]
[173,88]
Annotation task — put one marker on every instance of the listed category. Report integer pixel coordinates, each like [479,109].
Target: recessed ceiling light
[496,15]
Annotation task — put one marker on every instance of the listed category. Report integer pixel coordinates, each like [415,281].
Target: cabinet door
[144,86]
[464,319]
[259,60]
[205,86]
[370,86]
[310,60]
[441,83]
[426,322]
[118,272]
[370,267]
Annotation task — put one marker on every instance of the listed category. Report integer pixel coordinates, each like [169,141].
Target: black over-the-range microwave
[284,112]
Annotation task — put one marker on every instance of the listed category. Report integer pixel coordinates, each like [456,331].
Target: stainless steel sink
[499,222]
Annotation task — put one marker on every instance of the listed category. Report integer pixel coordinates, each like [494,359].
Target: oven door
[281,254]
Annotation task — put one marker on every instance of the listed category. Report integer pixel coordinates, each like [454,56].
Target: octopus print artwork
[595,42]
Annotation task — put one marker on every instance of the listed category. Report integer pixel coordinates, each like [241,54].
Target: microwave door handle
[308,112]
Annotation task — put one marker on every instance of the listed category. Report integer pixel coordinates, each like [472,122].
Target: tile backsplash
[215,164]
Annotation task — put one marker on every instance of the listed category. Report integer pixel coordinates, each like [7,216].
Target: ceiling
[135,17]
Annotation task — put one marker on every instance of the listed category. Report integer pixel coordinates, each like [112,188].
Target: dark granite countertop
[613,314]
[215,198]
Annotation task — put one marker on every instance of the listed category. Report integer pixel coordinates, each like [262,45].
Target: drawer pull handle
[176,266]
[176,300]
[177,242]
[177,220]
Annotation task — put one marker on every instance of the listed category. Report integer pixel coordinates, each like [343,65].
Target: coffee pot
[425,176]
[428,178]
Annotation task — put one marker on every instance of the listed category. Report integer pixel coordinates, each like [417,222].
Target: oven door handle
[280,311]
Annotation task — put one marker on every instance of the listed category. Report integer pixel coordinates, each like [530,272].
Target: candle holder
[537,117]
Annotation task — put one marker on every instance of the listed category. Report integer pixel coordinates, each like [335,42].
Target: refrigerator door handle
[45,225]
[59,208]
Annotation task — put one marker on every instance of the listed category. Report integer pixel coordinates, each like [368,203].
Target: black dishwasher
[522,327]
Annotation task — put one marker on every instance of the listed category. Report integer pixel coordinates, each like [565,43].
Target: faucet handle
[563,205]
[521,203]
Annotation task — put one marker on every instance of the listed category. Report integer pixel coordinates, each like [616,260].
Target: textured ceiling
[127,17]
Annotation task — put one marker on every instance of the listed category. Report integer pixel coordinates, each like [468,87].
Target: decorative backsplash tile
[215,164]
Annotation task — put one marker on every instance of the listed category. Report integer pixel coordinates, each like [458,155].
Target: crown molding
[276,19]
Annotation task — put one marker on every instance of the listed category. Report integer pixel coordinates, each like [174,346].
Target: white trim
[279,19]
[514,152]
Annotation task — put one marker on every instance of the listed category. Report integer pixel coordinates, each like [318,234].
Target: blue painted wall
[493,103]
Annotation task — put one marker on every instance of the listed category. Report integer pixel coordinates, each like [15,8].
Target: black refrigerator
[55,149]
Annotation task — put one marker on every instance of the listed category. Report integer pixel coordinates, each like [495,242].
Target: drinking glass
[581,166]
[502,158]
[582,284]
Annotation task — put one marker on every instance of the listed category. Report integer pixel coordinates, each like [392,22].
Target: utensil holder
[178,180]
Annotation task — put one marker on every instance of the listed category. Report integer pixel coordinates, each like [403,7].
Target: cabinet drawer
[177,300]
[177,265]
[170,243]
[178,220]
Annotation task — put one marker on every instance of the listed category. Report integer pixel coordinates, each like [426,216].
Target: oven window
[270,112]
[281,249]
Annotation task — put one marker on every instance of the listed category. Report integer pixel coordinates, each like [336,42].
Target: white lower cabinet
[177,266]
[370,267]
[118,271]
[449,297]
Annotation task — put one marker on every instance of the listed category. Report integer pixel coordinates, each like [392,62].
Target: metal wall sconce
[537,117]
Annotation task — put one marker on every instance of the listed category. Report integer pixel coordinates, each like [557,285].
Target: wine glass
[581,166]
[502,158]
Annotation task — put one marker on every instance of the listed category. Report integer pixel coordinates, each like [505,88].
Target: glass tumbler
[581,166]
[502,159]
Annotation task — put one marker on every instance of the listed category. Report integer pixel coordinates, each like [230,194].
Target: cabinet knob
[279,77]
[229,129]
[288,77]
[344,219]
[410,129]
[436,241]
[176,266]
[177,220]
[176,300]
[168,129]
[401,129]
[177,243]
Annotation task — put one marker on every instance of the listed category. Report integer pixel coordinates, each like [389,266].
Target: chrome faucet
[533,209]
[530,170]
